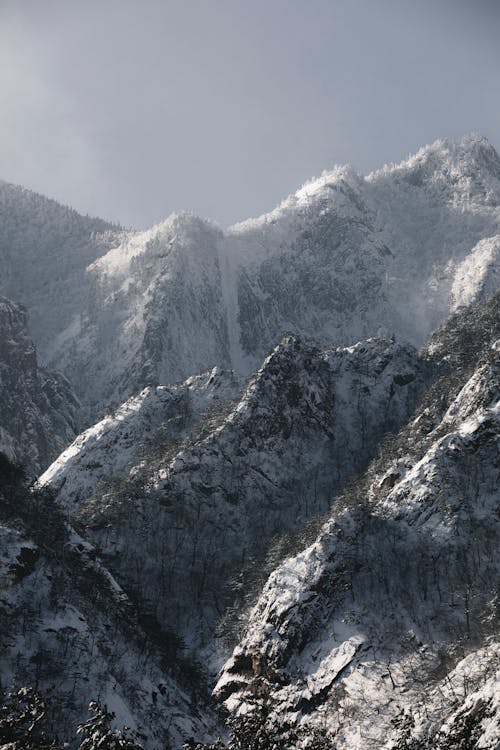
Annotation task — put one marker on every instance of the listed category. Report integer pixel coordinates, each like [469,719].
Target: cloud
[131,110]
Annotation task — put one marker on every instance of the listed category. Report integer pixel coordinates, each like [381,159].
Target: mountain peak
[472,153]
[472,149]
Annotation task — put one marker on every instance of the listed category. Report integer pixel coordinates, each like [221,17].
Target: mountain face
[222,477]
[383,631]
[308,528]
[38,411]
[69,631]
[346,258]
[45,249]
[378,632]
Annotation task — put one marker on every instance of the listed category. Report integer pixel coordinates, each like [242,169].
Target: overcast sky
[131,109]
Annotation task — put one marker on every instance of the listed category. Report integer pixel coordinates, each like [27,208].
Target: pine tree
[97,733]
[22,715]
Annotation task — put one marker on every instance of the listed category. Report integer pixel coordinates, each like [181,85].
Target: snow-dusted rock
[478,275]
[44,250]
[383,630]
[154,421]
[209,499]
[345,258]
[191,499]
[38,411]
[69,630]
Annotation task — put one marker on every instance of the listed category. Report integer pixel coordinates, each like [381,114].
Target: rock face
[38,411]
[379,632]
[326,527]
[210,498]
[346,258]
[143,429]
[70,631]
[44,250]
[383,631]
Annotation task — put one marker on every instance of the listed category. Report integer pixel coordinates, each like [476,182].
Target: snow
[191,493]
[332,664]
[342,259]
[229,290]
[478,274]
[116,445]
[213,493]
[351,618]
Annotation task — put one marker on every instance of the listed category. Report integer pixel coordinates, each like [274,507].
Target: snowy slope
[382,632]
[208,499]
[44,250]
[150,424]
[155,316]
[38,410]
[347,255]
[478,275]
[189,504]
[69,630]
[345,258]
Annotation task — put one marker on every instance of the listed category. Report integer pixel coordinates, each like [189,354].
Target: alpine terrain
[249,498]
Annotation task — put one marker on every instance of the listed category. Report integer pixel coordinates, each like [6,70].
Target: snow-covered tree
[96,733]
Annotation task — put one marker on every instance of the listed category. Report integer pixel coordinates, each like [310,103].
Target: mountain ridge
[39,412]
[313,516]
[394,251]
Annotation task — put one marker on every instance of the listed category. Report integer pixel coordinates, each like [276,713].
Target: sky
[132,109]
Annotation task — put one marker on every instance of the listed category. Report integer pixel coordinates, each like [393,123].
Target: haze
[132,109]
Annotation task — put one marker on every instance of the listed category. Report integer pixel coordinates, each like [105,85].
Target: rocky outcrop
[38,411]
[210,498]
[383,631]
[345,258]
[71,632]
[44,250]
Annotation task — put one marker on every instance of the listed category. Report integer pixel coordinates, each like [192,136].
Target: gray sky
[131,109]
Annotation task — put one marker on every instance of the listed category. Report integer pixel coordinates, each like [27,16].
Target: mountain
[45,249]
[276,495]
[211,497]
[185,499]
[70,632]
[374,626]
[346,258]
[384,631]
[38,410]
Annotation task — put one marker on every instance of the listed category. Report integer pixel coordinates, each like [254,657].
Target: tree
[22,715]
[97,734]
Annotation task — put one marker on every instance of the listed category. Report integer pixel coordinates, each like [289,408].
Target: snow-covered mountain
[383,632]
[68,630]
[346,258]
[38,410]
[379,631]
[45,249]
[210,481]
[276,484]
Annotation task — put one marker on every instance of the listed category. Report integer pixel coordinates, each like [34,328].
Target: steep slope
[382,632]
[346,258]
[155,316]
[343,259]
[70,632]
[143,429]
[44,250]
[478,275]
[266,463]
[38,411]
[347,255]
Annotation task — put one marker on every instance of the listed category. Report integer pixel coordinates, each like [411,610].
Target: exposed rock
[38,411]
